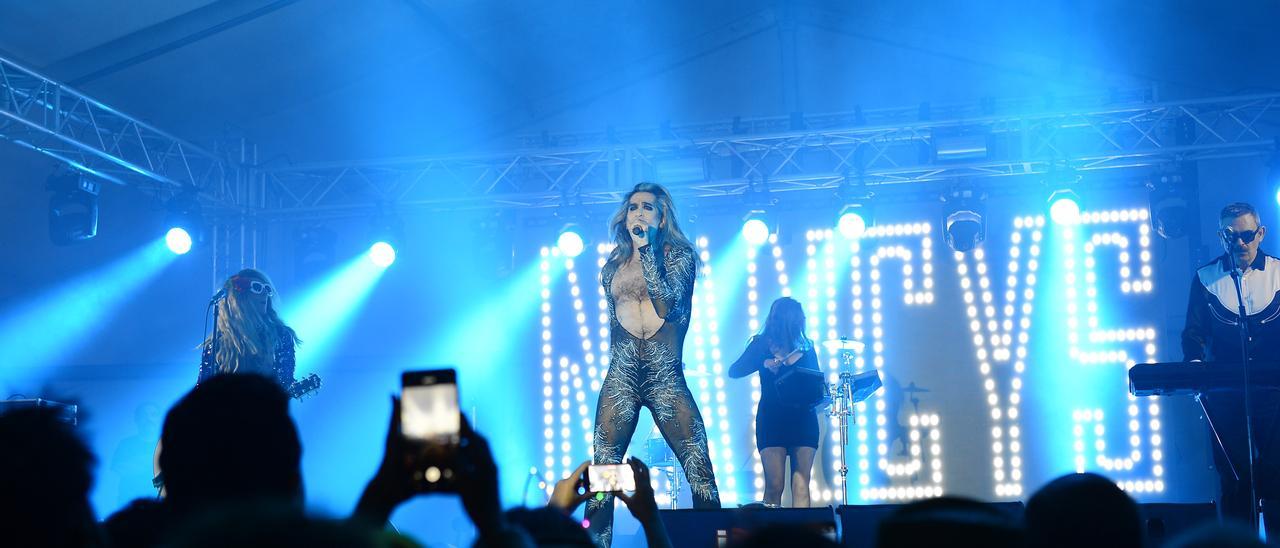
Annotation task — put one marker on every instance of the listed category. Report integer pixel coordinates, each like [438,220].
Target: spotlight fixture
[755,227]
[1064,207]
[756,224]
[184,221]
[314,250]
[382,253]
[1064,203]
[960,147]
[965,230]
[855,213]
[73,207]
[385,233]
[851,222]
[178,240]
[1171,215]
[570,240]
[965,225]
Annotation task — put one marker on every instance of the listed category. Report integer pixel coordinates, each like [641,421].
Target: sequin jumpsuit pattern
[650,373]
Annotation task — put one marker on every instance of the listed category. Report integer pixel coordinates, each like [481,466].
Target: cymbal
[843,344]
[912,388]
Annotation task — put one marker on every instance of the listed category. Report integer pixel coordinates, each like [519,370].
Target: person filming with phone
[630,482]
[431,448]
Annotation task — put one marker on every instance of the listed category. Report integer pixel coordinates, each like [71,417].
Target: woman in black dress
[782,430]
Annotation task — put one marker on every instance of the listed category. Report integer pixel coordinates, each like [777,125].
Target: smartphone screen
[610,478]
[429,407]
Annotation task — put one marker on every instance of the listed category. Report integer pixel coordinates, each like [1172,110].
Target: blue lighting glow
[865,288]
[1064,207]
[571,242]
[178,240]
[326,308]
[382,254]
[480,343]
[851,225]
[755,231]
[49,328]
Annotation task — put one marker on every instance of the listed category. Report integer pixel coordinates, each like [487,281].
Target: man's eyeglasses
[1246,236]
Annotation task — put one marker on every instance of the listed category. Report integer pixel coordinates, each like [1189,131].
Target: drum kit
[851,388]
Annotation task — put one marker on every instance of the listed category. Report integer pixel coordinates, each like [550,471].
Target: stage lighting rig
[185,222]
[855,211]
[570,240]
[965,224]
[756,227]
[1064,207]
[852,221]
[1064,203]
[314,247]
[757,224]
[73,207]
[1171,214]
[386,232]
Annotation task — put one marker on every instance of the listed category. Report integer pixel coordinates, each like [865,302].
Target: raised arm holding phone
[431,448]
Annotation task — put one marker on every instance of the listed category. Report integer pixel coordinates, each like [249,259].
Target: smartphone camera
[610,478]
[431,422]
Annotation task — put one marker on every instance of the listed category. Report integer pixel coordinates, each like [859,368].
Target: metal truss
[724,159]
[884,149]
[48,117]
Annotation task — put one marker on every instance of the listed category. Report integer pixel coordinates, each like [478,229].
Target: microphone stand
[1248,388]
[213,348]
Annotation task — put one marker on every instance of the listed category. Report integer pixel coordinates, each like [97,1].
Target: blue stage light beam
[326,308]
[730,268]
[52,326]
[324,315]
[1060,376]
[495,369]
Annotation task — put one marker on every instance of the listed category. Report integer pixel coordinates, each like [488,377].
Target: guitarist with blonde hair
[248,338]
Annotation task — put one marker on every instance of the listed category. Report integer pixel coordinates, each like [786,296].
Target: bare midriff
[632,303]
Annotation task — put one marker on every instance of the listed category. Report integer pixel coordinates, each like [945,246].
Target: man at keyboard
[1212,335]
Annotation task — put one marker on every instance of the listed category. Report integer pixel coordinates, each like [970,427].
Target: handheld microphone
[218,296]
[637,231]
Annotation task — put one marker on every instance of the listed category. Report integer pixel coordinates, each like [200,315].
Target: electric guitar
[304,387]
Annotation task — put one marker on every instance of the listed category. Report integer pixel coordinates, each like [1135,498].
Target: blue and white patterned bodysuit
[649,373]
